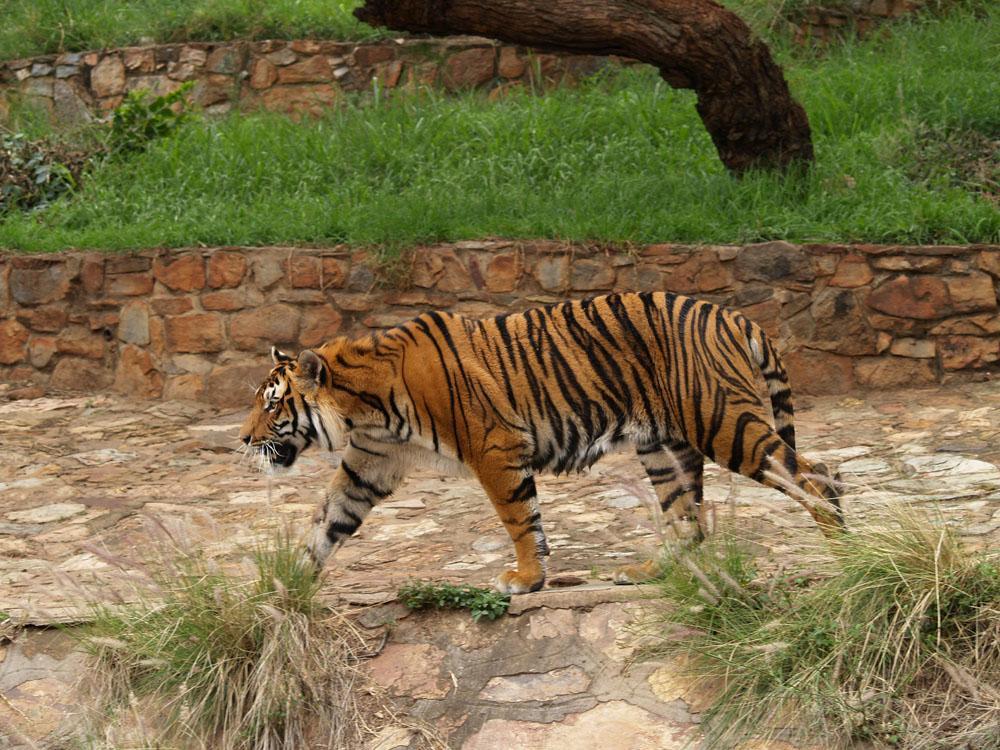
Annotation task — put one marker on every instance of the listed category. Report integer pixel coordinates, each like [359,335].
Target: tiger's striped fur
[551,389]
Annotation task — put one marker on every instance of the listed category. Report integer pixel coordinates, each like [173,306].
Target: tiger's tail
[765,355]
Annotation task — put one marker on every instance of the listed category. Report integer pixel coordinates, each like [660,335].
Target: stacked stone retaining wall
[306,76]
[197,323]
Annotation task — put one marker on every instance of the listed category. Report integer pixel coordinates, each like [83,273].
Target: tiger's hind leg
[676,471]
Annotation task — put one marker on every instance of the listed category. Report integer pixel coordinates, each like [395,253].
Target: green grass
[621,159]
[897,642]
[35,27]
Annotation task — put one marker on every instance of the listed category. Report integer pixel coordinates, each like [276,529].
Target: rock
[674,682]
[133,324]
[130,284]
[411,669]
[68,105]
[49,319]
[183,274]
[263,74]
[225,300]
[961,352]
[841,323]
[257,330]
[137,374]
[335,272]
[39,282]
[925,263]
[916,348]
[80,342]
[773,261]
[504,272]
[590,275]
[40,351]
[469,68]
[579,597]
[552,272]
[319,325]
[611,725]
[227,59]
[819,373]
[74,374]
[47,513]
[226,270]
[974,325]
[536,686]
[139,60]
[187,388]
[511,65]
[13,342]
[894,372]
[233,385]
[304,271]
[108,77]
[852,271]
[971,293]
[297,100]
[315,69]
[921,297]
[171,305]
[283,56]
[366,55]
[551,623]
[701,272]
[201,332]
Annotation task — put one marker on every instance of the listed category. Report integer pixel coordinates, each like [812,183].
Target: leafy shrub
[31,174]
[480,602]
[139,120]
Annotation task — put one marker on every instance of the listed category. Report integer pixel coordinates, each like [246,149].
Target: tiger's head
[290,412]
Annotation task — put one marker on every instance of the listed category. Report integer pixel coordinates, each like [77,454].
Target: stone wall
[307,75]
[283,76]
[197,323]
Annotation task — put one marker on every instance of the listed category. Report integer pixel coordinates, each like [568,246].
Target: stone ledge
[586,596]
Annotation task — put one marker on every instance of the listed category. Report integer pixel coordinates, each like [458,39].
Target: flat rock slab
[91,488]
[81,478]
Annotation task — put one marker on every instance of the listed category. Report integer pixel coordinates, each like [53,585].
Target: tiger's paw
[514,582]
[636,573]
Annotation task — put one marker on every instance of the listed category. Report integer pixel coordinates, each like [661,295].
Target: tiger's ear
[311,366]
[279,357]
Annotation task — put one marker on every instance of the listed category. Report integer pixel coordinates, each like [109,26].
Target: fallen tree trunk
[743,98]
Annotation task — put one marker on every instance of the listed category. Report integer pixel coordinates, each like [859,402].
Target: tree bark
[743,98]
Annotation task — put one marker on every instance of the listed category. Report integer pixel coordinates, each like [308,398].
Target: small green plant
[139,119]
[480,602]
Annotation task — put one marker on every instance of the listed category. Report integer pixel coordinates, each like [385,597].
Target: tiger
[550,389]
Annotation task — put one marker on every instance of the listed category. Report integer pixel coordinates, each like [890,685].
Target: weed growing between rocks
[480,602]
[894,639]
[206,659]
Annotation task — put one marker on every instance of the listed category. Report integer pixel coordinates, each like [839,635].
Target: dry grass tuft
[895,639]
[204,659]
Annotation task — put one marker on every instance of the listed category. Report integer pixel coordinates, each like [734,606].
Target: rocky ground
[82,478]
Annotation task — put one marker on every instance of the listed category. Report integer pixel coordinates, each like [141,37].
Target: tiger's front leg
[513,496]
[365,476]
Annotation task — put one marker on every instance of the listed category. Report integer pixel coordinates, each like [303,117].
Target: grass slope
[35,27]
[623,159]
